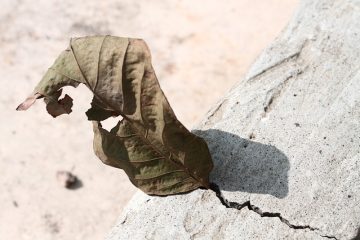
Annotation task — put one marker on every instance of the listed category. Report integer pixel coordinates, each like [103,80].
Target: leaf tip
[29,101]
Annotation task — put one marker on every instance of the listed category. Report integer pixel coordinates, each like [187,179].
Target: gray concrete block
[285,142]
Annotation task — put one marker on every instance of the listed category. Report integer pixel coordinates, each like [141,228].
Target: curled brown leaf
[159,155]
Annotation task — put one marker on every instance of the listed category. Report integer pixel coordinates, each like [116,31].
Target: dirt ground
[199,49]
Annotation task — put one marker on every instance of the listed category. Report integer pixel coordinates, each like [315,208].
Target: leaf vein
[172,185]
[147,160]
[159,176]
[63,74]
[98,68]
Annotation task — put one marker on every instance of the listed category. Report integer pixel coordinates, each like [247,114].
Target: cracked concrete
[285,143]
[198,215]
[256,209]
[292,57]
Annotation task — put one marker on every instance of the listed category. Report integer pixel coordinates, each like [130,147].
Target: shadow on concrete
[246,166]
[358,235]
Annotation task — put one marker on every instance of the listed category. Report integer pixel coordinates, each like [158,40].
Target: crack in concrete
[228,204]
[291,57]
[216,114]
[277,91]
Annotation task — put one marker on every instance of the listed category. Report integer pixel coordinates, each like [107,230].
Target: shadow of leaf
[246,166]
[357,237]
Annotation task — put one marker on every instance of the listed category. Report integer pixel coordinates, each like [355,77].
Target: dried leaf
[157,152]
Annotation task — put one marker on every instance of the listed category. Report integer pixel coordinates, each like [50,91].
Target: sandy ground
[199,48]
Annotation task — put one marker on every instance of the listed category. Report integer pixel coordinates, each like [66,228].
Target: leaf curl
[159,155]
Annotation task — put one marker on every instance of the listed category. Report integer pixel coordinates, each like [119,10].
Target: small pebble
[66,179]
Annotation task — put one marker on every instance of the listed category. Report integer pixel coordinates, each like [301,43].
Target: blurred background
[199,50]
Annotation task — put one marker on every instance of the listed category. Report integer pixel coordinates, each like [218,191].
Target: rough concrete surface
[285,142]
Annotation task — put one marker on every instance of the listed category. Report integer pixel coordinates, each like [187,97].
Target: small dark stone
[252,136]
[68,180]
